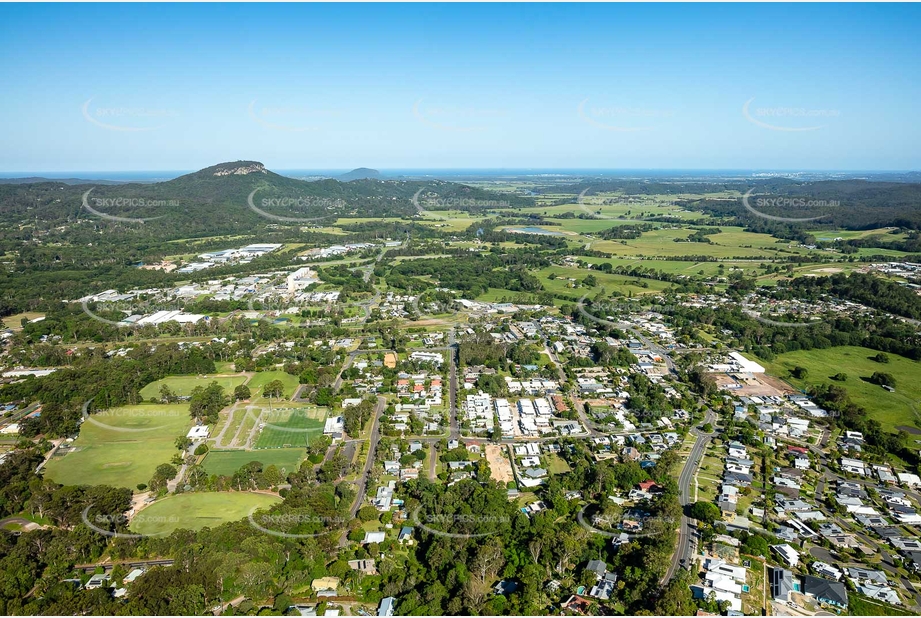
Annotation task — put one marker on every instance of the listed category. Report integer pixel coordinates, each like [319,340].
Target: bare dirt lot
[752,384]
[499,466]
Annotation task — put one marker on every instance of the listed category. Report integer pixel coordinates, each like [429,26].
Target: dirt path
[500,468]
[433,455]
[138,502]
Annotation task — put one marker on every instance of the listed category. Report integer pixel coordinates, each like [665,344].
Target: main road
[362,480]
[683,549]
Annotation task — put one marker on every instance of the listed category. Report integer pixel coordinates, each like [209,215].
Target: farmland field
[14,322]
[890,409]
[227,462]
[732,242]
[122,447]
[183,385]
[260,379]
[194,511]
[494,295]
[620,283]
[290,426]
[612,206]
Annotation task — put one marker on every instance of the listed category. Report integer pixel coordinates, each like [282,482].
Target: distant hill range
[843,204]
[361,173]
[67,181]
[238,197]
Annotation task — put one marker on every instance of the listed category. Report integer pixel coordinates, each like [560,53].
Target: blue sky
[169,87]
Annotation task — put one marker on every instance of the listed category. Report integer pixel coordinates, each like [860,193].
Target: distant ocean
[156,176]
[497,174]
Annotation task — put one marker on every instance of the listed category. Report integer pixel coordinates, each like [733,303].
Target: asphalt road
[454,352]
[369,462]
[683,549]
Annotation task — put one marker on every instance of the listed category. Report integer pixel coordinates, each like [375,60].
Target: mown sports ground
[290,425]
[227,462]
[122,447]
[194,511]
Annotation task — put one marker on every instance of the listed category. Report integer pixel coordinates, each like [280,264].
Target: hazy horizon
[384,171]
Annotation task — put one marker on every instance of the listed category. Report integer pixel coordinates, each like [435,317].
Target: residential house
[826,570]
[781,583]
[825,591]
[787,554]
[386,607]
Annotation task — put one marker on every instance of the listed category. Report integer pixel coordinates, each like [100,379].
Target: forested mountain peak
[235,168]
[360,173]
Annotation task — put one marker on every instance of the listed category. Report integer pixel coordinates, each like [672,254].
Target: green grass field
[183,385]
[615,205]
[225,463]
[890,409]
[884,234]
[14,322]
[123,446]
[494,295]
[262,378]
[290,427]
[858,605]
[194,511]
[610,282]
[556,464]
[732,242]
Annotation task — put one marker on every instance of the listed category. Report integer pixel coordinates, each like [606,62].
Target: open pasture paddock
[122,447]
[14,322]
[260,379]
[225,463]
[885,234]
[183,385]
[615,205]
[731,242]
[890,409]
[194,511]
[610,282]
